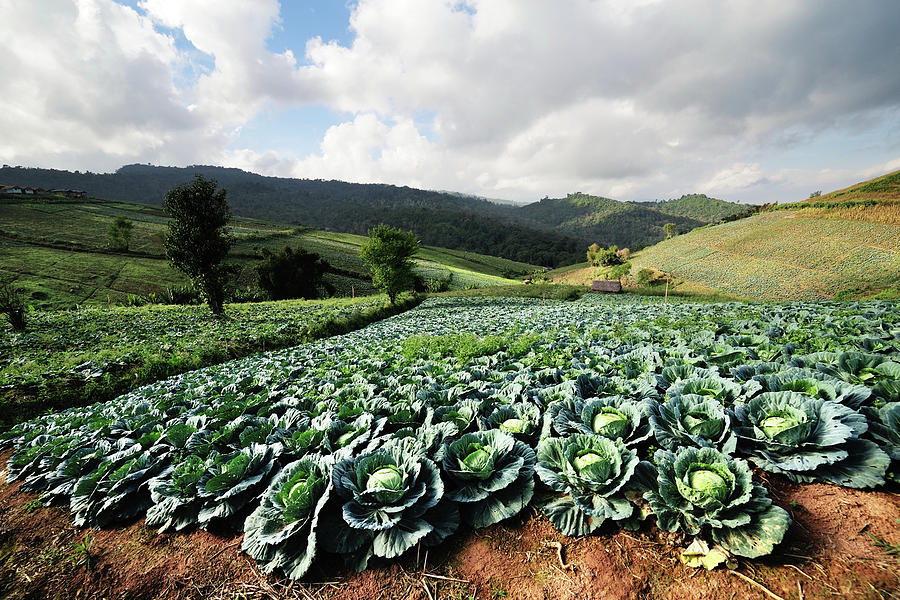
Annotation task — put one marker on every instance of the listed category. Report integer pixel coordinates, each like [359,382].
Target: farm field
[56,250]
[488,447]
[68,358]
[844,244]
[782,255]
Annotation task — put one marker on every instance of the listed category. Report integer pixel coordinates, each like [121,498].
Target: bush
[291,273]
[12,304]
[645,277]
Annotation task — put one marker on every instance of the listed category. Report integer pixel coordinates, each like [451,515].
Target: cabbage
[392,500]
[809,439]
[692,420]
[599,478]
[704,492]
[281,532]
[612,417]
[490,474]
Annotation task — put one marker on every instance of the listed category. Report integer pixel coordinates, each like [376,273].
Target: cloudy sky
[516,99]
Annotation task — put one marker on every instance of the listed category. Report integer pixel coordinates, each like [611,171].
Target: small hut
[601,285]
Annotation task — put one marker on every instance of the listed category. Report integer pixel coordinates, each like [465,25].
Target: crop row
[602,412]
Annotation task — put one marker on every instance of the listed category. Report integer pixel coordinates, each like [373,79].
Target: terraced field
[783,255]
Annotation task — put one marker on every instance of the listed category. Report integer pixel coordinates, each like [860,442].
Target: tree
[670,229]
[119,233]
[197,240]
[619,271]
[603,257]
[816,194]
[291,273]
[387,253]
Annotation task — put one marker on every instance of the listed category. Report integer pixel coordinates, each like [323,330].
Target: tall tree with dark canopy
[387,253]
[197,240]
[291,273]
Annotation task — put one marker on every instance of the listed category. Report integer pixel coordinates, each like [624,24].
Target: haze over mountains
[551,232]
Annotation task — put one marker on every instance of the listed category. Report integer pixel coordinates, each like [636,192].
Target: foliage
[388,253]
[671,230]
[291,273]
[490,474]
[604,257]
[597,476]
[692,420]
[119,234]
[197,240]
[391,501]
[388,423]
[704,492]
[281,532]
[13,306]
[810,439]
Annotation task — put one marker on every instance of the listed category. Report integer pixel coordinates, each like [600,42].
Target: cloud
[509,98]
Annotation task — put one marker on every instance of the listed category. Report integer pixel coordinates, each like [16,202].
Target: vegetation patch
[679,421]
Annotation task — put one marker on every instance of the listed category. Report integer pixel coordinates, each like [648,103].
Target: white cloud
[510,98]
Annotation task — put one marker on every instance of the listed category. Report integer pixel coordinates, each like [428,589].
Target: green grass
[545,291]
[55,250]
[73,358]
[783,256]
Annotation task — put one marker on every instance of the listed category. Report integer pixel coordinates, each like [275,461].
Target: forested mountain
[551,232]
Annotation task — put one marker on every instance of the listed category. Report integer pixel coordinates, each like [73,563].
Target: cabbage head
[612,417]
[281,532]
[596,476]
[701,490]
[692,420]
[522,420]
[490,474]
[809,439]
[387,501]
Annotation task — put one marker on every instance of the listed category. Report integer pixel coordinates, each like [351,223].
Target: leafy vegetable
[702,491]
[597,476]
[809,439]
[490,474]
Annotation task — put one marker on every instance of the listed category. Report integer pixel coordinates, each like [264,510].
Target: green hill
[55,249]
[551,232]
[824,248]
[700,207]
[626,224]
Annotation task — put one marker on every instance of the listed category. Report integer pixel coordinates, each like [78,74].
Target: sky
[748,101]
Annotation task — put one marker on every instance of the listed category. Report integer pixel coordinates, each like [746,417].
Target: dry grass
[886,213]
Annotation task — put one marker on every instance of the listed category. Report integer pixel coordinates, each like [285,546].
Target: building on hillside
[11,189]
[70,193]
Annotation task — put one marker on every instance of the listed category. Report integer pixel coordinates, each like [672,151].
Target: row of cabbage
[603,413]
[59,342]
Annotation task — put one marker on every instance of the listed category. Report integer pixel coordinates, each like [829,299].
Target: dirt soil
[829,552]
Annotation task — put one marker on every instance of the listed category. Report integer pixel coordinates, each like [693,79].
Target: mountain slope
[439,219]
[807,250]
[550,232]
[55,249]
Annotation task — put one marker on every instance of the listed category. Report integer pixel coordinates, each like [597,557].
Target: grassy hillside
[832,246]
[55,249]
[551,232]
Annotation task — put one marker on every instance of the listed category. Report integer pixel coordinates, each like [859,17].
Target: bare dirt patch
[830,552]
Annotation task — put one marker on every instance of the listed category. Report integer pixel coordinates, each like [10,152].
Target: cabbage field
[604,414]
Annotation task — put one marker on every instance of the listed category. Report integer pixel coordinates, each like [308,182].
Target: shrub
[13,305]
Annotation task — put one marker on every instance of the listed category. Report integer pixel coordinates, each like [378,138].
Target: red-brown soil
[829,552]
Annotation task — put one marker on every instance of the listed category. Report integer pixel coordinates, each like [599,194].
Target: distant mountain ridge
[550,232]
